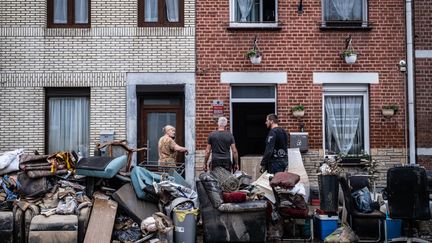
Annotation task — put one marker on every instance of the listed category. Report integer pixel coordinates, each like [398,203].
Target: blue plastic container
[394,228]
[324,225]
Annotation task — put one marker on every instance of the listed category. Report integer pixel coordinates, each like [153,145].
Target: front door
[155,113]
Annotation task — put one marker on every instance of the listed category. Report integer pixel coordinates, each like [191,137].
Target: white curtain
[69,124]
[343,121]
[344,8]
[60,11]
[81,11]
[172,8]
[245,7]
[151,10]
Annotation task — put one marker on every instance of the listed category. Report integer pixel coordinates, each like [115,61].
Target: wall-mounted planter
[256,59]
[351,59]
[298,113]
[388,112]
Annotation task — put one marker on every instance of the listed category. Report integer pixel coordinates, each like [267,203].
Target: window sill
[352,164]
[254,26]
[345,26]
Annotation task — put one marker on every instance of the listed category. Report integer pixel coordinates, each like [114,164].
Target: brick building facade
[301,64]
[423,75]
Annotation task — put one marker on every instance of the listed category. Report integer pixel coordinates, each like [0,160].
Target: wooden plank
[101,221]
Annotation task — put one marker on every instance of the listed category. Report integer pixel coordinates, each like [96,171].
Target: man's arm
[207,156]
[235,155]
[270,143]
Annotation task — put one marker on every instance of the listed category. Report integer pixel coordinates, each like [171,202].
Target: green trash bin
[185,225]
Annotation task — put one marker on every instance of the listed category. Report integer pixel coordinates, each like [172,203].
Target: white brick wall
[108,112]
[22,118]
[34,57]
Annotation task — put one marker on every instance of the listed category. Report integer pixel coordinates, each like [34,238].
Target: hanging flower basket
[298,113]
[256,59]
[298,110]
[351,59]
[387,112]
[349,55]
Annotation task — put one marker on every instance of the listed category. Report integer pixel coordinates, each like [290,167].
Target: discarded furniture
[364,225]
[408,196]
[101,221]
[120,144]
[54,229]
[142,181]
[137,209]
[99,167]
[237,222]
[6,226]
[296,209]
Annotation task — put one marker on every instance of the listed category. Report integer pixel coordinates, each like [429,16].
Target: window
[253,13]
[350,13]
[346,119]
[69,13]
[67,120]
[160,13]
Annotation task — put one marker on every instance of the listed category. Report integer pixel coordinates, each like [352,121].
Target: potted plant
[254,56]
[349,56]
[298,110]
[389,110]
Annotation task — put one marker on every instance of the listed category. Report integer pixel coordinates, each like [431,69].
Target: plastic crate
[324,225]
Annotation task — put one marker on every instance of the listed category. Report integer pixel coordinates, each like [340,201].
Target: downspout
[410,80]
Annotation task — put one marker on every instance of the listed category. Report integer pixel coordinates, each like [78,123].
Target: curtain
[344,8]
[81,11]
[172,8]
[60,11]
[155,122]
[69,125]
[245,7]
[343,122]
[151,10]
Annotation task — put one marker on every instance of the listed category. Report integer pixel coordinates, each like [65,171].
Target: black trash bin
[328,193]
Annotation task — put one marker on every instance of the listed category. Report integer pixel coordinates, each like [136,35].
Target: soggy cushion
[111,169]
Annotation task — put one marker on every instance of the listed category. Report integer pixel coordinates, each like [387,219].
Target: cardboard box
[324,225]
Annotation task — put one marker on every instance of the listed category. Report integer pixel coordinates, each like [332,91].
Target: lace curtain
[151,10]
[81,11]
[172,8]
[245,7]
[343,122]
[343,9]
[60,11]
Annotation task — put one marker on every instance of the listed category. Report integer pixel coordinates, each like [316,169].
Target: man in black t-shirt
[219,144]
[275,157]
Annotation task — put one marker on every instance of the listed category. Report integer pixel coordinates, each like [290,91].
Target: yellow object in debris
[181,214]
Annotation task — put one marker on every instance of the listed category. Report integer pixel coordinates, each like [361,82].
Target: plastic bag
[363,200]
[67,206]
[343,234]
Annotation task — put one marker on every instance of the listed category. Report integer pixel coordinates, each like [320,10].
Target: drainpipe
[410,80]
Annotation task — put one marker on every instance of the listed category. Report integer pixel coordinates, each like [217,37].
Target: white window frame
[364,13]
[348,90]
[235,24]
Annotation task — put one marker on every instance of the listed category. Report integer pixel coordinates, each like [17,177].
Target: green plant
[298,108]
[253,53]
[391,107]
[347,53]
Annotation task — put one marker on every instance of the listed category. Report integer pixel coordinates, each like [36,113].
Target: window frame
[234,24]
[70,16]
[348,90]
[162,20]
[51,92]
[346,24]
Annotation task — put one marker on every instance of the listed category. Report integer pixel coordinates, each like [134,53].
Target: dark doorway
[249,127]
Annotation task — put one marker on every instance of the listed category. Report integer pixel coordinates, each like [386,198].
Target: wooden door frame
[142,120]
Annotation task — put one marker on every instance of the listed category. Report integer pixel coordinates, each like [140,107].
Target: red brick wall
[300,49]
[423,78]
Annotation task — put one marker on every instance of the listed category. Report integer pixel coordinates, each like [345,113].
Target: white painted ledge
[423,53]
[345,78]
[424,151]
